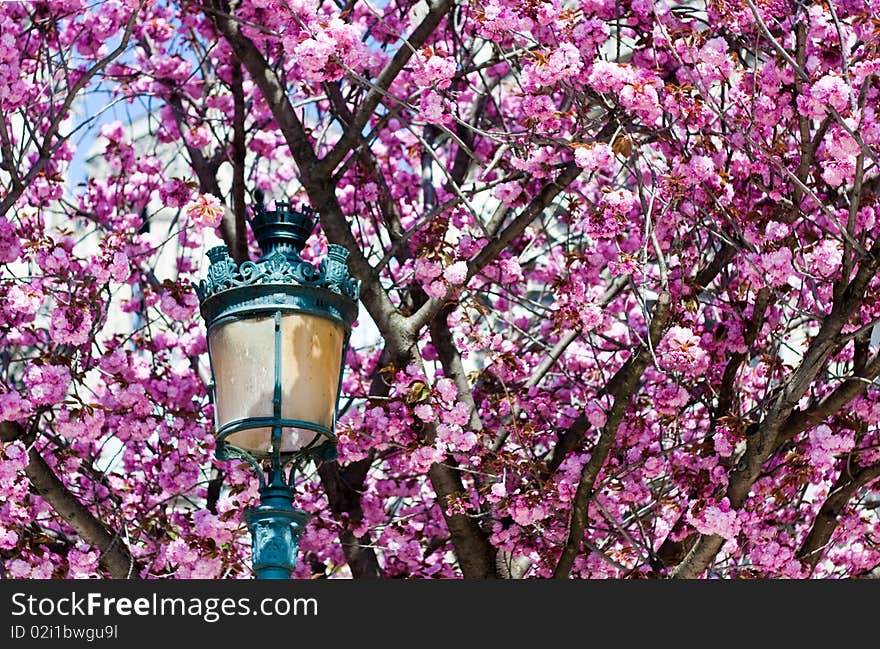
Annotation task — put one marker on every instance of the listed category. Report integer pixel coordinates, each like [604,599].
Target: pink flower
[436,289]
[830,90]
[825,445]
[653,467]
[670,398]
[717,519]
[456,273]
[426,270]
[198,137]
[178,307]
[776,231]
[432,69]
[680,351]
[206,211]
[643,100]
[13,407]
[447,390]
[835,172]
[204,568]
[175,193]
[596,157]
[540,107]
[508,192]
[266,144]
[114,131]
[723,446]
[82,562]
[525,513]
[620,201]
[8,538]
[433,109]
[825,257]
[72,325]
[47,384]
[14,460]
[608,76]
[511,271]
[458,415]
[423,457]
[210,526]
[19,569]
[424,412]
[10,245]
[777,266]
[702,168]
[563,62]
[456,438]
[119,267]
[714,52]
[595,415]
[23,300]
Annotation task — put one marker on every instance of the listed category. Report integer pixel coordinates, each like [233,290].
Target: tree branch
[115,557]
[621,387]
[476,556]
[315,179]
[761,445]
[206,173]
[826,521]
[383,82]
[343,488]
[239,248]
[46,149]
[541,371]
[490,251]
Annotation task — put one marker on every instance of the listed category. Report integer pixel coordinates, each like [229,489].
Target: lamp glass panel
[243,357]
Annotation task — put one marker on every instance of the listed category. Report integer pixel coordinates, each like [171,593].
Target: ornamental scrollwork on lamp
[278,268]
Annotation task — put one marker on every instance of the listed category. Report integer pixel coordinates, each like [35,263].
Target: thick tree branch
[847,484]
[476,556]
[621,387]
[343,488]
[239,250]
[849,389]
[450,360]
[672,552]
[761,445]
[727,390]
[438,9]
[115,557]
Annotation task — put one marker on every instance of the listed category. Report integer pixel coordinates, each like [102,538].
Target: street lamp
[278,331]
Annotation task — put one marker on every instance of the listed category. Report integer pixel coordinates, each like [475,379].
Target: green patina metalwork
[280,282]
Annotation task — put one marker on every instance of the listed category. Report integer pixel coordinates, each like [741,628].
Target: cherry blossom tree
[621,258]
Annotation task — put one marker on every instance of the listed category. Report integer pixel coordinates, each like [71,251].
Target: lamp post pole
[278,332]
[275,526]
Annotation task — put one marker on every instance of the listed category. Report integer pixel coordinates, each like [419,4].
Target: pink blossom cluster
[522,186]
[681,351]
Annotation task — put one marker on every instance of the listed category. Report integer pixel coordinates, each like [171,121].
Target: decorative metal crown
[281,233]
[283,229]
